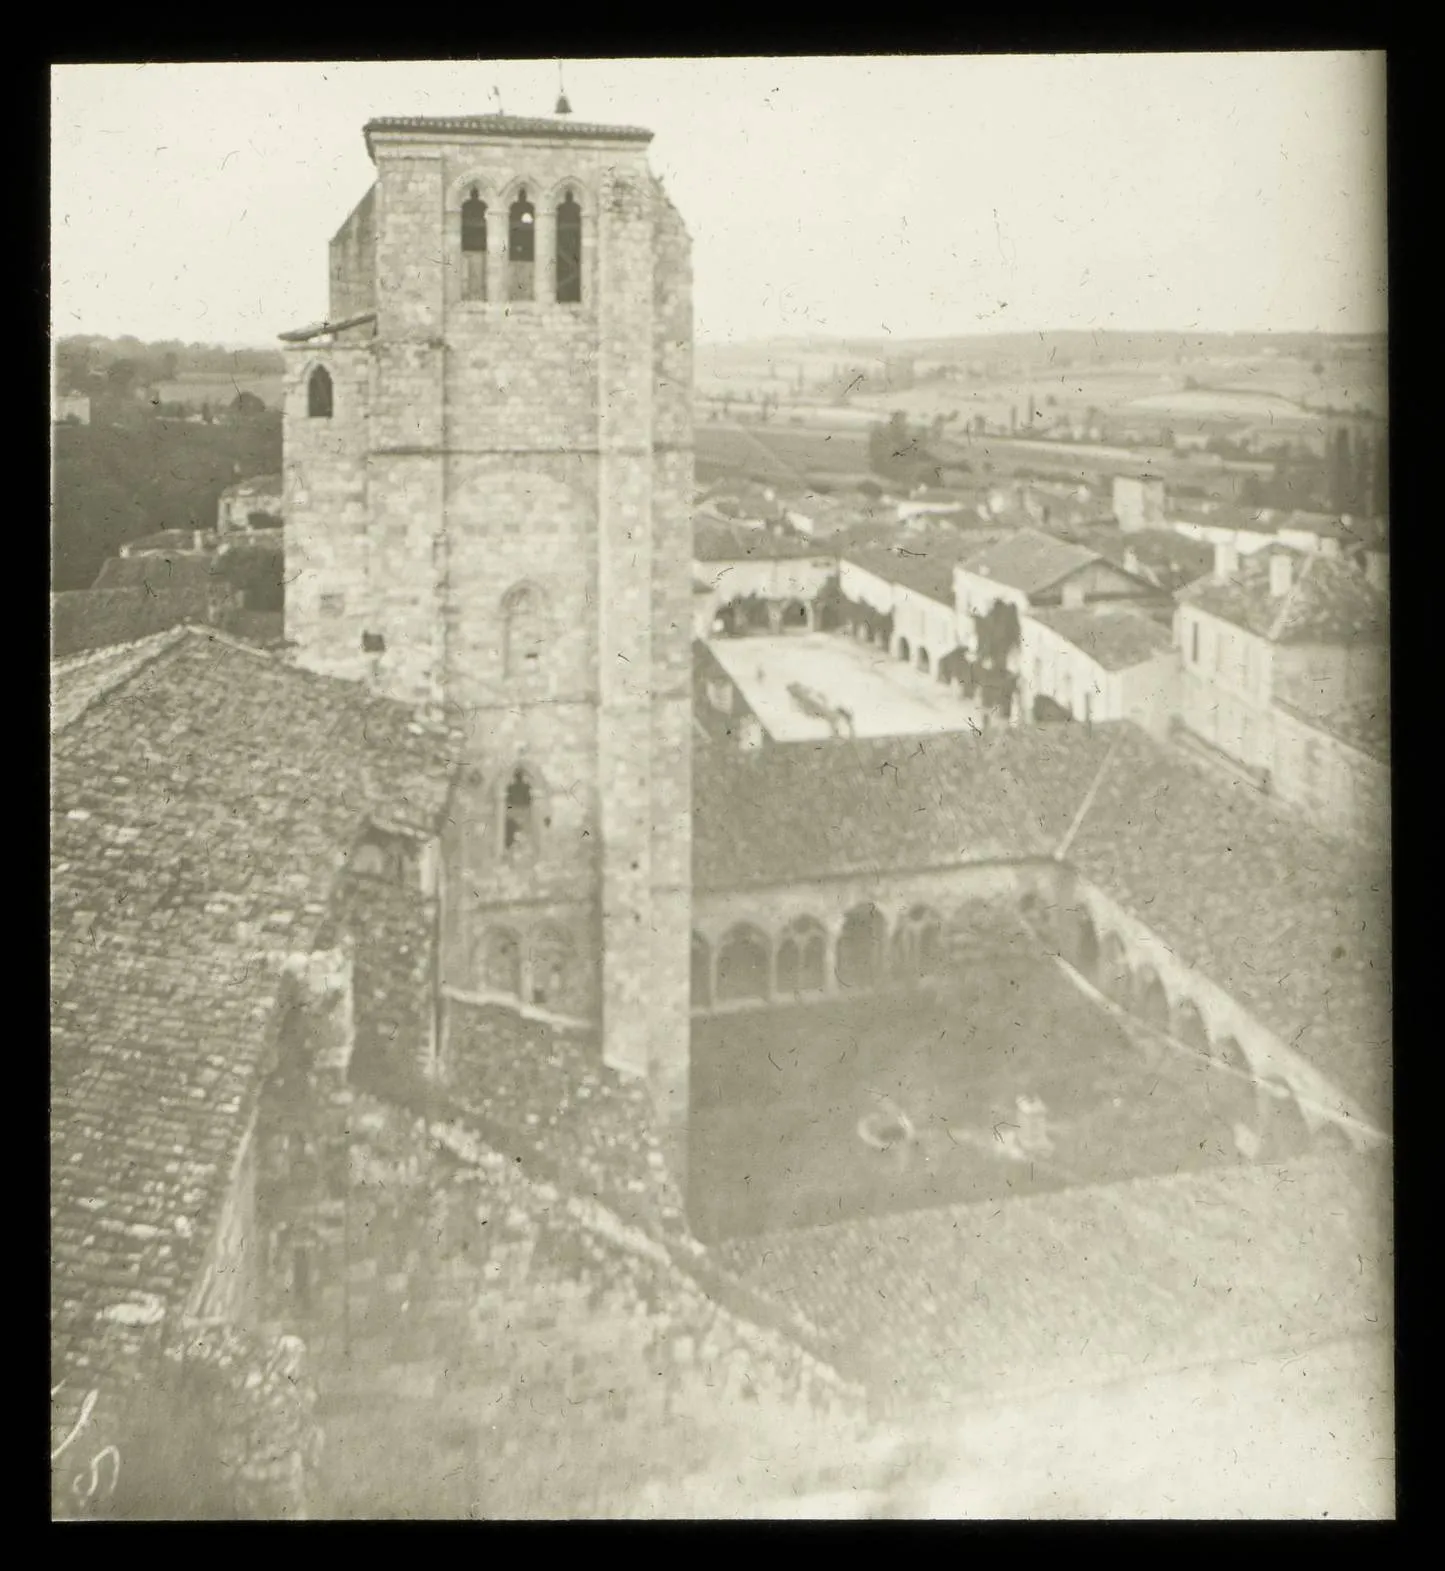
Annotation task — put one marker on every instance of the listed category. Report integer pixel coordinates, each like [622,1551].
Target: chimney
[1377,570]
[1226,562]
[1281,572]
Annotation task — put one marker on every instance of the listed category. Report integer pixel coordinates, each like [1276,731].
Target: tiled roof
[1115,637]
[1287,921]
[204,796]
[1163,557]
[1328,601]
[1364,724]
[797,811]
[563,128]
[192,572]
[256,485]
[922,563]
[717,540]
[83,619]
[1066,1289]
[1030,561]
[1223,515]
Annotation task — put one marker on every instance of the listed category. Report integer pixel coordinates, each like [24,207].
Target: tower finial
[563,107]
[497,94]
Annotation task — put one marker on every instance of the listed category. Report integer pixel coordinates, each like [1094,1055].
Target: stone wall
[1342,789]
[554,1358]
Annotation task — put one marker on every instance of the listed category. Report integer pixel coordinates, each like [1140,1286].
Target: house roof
[721,540]
[1286,920]
[1115,637]
[1029,561]
[797,811]
[82,619]
[561,128]
[1363,724]
[204,797]
[923,566]
[158,572]
[256,485]
[1328,601]
[1162,557]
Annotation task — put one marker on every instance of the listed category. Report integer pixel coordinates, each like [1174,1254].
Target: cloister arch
[802,958]
[918,944]
[1189,1026]
[905,653]
[1113,978]
[1284,1131]
[862,945]
[744,964]
[1151,1002]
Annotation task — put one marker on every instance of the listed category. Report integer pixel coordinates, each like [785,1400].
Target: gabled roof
[562,128]
[204,797]
[923,566]
[1115,637]
[722,540]
[797,811]
[1328,601]
[1030,561]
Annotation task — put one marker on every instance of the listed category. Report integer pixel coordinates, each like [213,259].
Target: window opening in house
[502,962]
[569,251]
[521,249]
[319,398]
[474,247]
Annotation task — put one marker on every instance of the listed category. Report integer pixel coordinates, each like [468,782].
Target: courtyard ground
[887,698]
[779,1095]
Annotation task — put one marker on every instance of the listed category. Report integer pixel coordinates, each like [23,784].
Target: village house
[1332,761]
[1030,568]
[250,504]
[71,409]
[912,585]
[1138,502]
[763,578]
[1099,662]
[1276,622]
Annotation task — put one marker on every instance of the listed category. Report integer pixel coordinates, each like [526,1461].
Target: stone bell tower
[488,483]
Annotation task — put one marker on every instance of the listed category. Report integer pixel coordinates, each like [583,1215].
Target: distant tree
[248,404]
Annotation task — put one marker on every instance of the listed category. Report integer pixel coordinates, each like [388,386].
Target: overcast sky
[839,195]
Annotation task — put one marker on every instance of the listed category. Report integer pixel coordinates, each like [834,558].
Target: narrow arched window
[524,631]
[521,249]
[569,251]
[743,964]
[551,969]
[474,247]
[520,815]
[501,962]
[318,394]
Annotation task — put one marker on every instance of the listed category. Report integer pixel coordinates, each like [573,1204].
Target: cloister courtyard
[1003,1081]
[886,696]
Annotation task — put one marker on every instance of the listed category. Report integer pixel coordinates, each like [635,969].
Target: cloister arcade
[1257,1093]
[861,952]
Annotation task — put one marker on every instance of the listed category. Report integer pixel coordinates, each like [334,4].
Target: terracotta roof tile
[1030,561]
[1328,601]
[1115,637]
[204,797]
[798,811]
[719,540]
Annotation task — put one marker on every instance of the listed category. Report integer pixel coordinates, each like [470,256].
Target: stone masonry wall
[547,1361]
